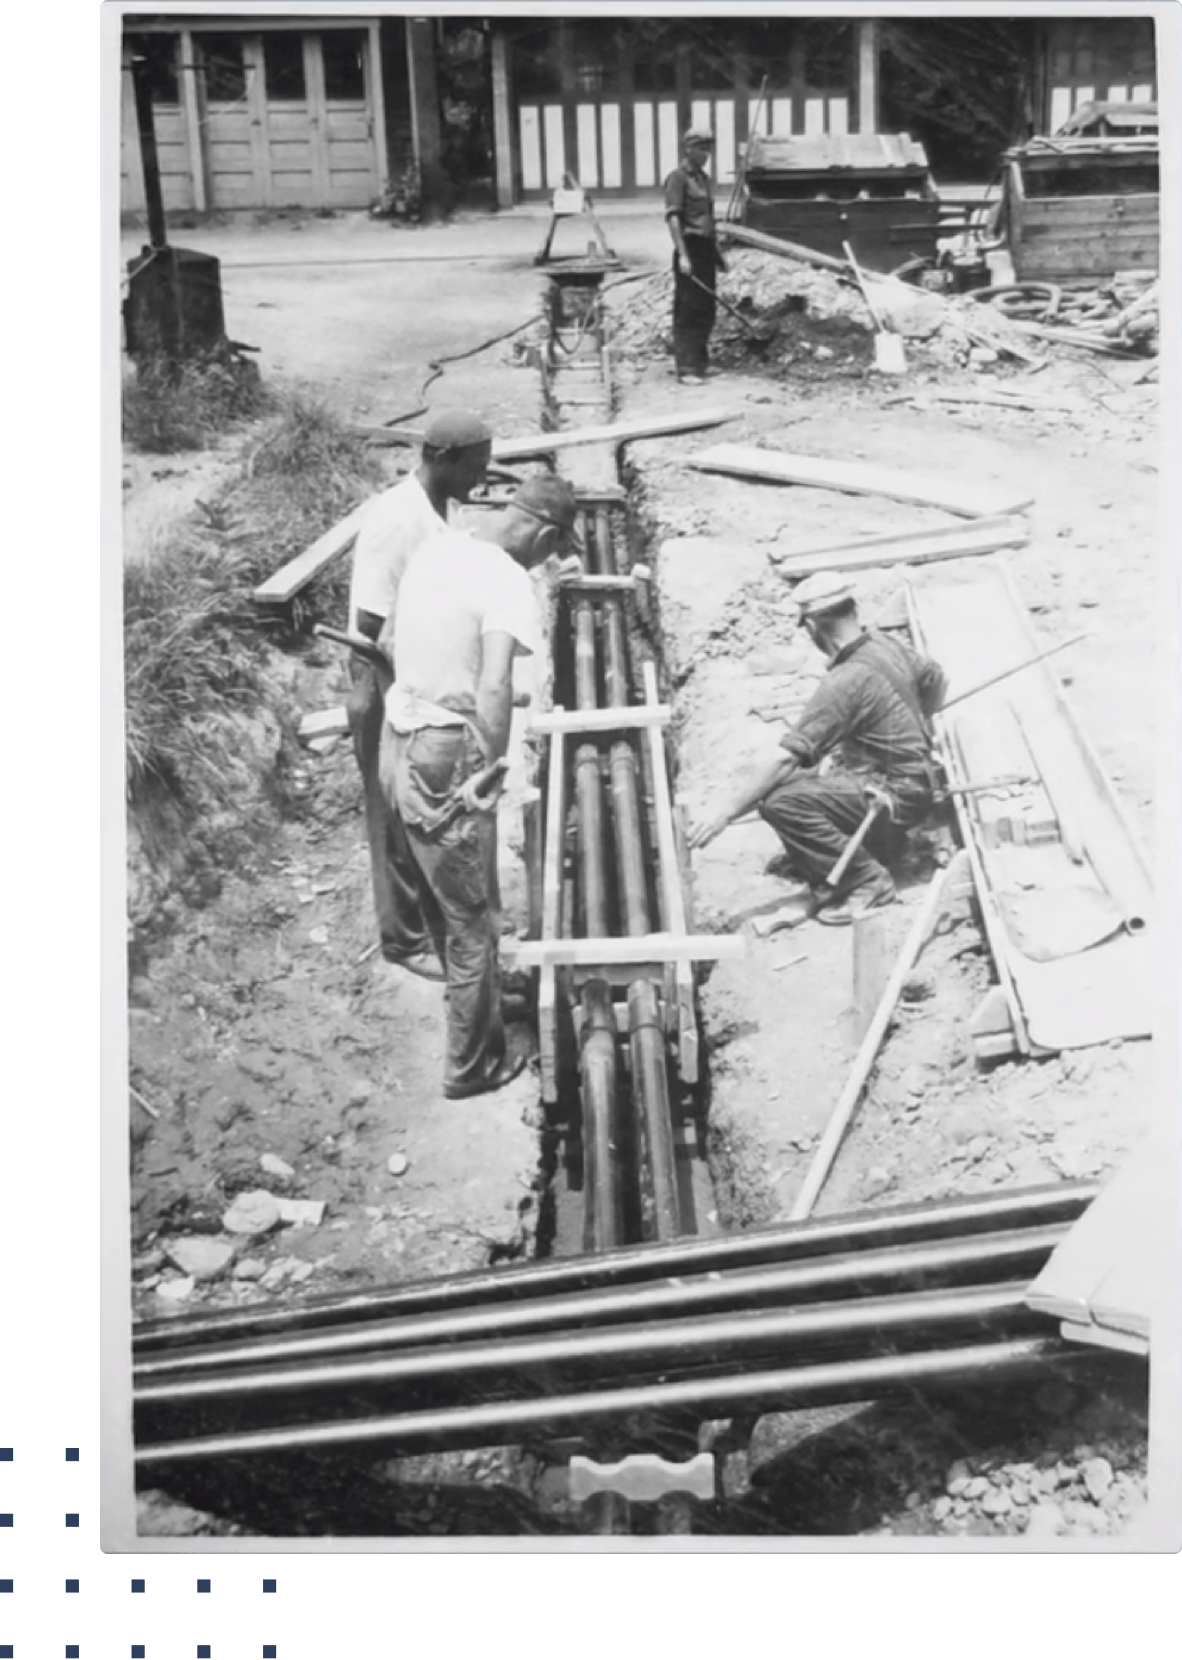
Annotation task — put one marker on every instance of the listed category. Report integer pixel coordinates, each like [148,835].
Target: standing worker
[466,609]
[456,451]
[689,213]
[871,712]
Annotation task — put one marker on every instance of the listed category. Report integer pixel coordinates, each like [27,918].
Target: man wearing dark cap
[456,450]
[466,610]
[872,713]
[689,213]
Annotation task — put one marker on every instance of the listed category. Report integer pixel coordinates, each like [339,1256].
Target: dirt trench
[267,1028]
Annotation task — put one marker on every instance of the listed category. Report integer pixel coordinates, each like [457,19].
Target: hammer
[880,802]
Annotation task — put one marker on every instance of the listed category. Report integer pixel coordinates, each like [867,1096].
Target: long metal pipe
[650,1085]
[776,1335]
[891,1227]
[603,1213]
[501,1422]
[975,1261]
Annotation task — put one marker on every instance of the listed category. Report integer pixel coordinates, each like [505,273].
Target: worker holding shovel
[689,213]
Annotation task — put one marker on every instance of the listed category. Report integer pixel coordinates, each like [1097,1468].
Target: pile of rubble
[789,316]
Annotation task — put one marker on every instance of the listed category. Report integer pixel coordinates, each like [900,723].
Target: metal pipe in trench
[502,1422]
[890,1227]
[981,1260]
[775,1335]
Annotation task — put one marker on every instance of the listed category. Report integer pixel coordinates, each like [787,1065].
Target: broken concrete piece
[275,1166]
[789,916]
[302,1212]
[176,1291]
[252,1213]
[398,1164]
[202,1258]
[249,1268]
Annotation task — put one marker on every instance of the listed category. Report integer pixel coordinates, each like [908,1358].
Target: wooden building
[257,112]
[1104,60]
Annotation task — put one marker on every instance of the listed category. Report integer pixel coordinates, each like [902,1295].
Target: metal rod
[977,1260]
[889,1227]
[496,1423]
[650,1087]
[603,1215]
[776,1335]
[145,122]
[1004,674]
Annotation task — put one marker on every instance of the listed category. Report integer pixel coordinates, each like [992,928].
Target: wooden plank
[614,719]
[298,572]
[324,723]
[555,832]
[669,874]
[621,432]
[783,467]
[920,548]
[1115,1254]
[633,948]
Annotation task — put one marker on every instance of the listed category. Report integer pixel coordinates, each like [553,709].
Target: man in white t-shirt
[466,610]
[456,450]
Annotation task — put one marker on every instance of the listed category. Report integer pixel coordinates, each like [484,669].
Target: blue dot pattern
[270,1651]
[203,1584]
[71,1651]
[72,1455]
[203,1651]
[5,1585]
[72,1519]
[137,1651]
[71,1585]
[137,1584]
[6,1521]
[268,1585]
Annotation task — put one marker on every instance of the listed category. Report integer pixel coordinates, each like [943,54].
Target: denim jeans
[456,857]
[396,882]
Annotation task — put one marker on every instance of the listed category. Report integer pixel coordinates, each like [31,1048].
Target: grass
[201,696]
[167,408]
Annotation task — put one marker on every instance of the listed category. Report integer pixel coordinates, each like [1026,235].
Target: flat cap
[825,591]
[698,135]
[549,498]
[455,429]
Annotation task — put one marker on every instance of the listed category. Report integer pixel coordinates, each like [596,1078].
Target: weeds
[195,653]
[168,407]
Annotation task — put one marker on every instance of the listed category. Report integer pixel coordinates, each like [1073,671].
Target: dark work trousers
[815,817]
[457,862]
[401,927]
[693,311]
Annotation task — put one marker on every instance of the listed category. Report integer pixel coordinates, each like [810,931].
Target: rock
[148,1262]
[1045,1521]
[978,1147]
[302,1213]
[997,1502]
[1097,1475]
[398,1164]
[942,1509]
[918,988]
[252,1213]
[275,1166]
[302,1271]
[318,936]
[275,1276]
[1020,1493]
[877,1180]
[958,1474]
[249,1268]
[824,354]
[976,1488]
[202,1258]
[176,1291]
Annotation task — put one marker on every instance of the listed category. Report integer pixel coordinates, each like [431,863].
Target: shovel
[762,332]
[889,358]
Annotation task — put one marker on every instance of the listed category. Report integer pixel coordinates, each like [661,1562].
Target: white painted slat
[814,115]
[645,144]
[725,154]
[1083,95]
[555,145]
[1118,95]
[702,113]
[587,170]
[1143,95]
[531,149]
[781,117]
[613,175]
[839,115]
[667,136]
[759,116]
[1060,106]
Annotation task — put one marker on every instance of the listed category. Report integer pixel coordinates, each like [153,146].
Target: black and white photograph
[644,948]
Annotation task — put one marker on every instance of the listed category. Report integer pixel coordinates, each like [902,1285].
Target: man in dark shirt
[689,213]
[871,713]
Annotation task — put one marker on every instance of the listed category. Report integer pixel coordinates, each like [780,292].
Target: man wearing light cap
[871,713]
[466,610]
[689,214]
[456,451]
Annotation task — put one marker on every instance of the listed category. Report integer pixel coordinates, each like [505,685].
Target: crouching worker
[870,718]
[466,609]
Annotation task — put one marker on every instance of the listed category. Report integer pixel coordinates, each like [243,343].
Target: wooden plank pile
[1114,1269]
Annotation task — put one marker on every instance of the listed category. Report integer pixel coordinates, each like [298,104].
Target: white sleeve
[385,542]
[512,609]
